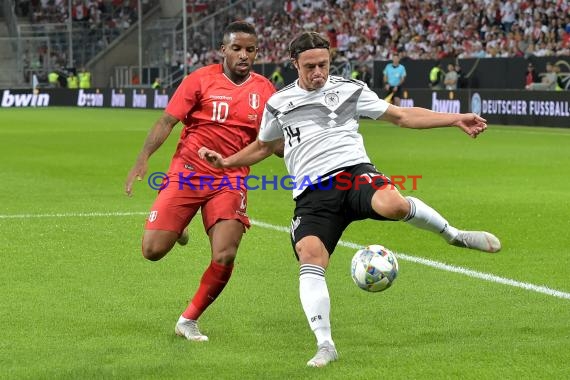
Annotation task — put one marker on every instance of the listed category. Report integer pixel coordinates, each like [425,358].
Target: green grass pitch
[79,301]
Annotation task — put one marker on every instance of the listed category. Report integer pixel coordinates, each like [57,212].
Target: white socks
[316,302]
[183,320]
[426,218]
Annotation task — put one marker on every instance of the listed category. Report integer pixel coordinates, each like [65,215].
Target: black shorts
[329,208]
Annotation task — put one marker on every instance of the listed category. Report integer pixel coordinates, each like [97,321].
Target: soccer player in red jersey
[221,106]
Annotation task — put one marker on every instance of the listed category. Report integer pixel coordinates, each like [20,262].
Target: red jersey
[217,114]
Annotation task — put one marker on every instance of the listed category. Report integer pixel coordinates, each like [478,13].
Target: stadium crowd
[96,23]
[423,29]
[112,14]
[364,30]
[359,30]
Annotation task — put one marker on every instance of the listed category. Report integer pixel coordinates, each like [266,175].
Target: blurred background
[130,43]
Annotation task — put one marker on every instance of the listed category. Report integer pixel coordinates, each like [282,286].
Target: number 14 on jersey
[291,134]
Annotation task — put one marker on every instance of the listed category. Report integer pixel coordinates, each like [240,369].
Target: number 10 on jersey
[220,111]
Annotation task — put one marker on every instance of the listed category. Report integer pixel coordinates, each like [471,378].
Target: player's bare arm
[156,137]
[253,153]
[422,118]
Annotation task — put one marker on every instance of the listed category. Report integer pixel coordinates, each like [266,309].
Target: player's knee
[154,252]
[156,244]
[395,207]
[225,256]
[299,249]
[311,250]
[401,209]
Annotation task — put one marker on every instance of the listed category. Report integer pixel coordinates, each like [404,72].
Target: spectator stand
[52,36]
[164,52]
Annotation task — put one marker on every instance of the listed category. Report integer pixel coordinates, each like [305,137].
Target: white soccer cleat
[326,353]
[189,330]
[480,240]
[184,237]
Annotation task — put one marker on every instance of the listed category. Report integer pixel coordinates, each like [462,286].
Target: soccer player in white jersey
[317,116]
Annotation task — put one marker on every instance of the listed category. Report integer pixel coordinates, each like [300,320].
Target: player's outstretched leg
[188,328]
[425,217]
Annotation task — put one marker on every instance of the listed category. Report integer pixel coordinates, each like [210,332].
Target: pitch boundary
[348,244]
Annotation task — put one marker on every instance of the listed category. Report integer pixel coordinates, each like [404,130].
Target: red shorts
[175,206]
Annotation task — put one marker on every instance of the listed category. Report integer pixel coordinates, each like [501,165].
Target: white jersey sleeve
[370,105]
[270,129]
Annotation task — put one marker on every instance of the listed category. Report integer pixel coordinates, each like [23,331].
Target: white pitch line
[447,267]
[71,215]
[549,132]
[419,260]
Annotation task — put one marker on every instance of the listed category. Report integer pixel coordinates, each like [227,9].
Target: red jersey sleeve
[185,98]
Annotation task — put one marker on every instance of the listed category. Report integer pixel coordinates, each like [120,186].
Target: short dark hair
[307,41]
[239,27]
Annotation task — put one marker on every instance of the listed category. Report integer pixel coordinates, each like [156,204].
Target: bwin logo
[117,99]
[438,105]
[160,101]
[89,100]
[139,101]
[24,100]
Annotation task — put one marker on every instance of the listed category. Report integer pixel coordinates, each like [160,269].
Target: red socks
[212,283]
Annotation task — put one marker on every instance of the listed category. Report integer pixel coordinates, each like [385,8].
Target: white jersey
[320,127]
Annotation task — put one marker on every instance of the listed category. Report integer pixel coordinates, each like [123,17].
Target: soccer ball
[374,268]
